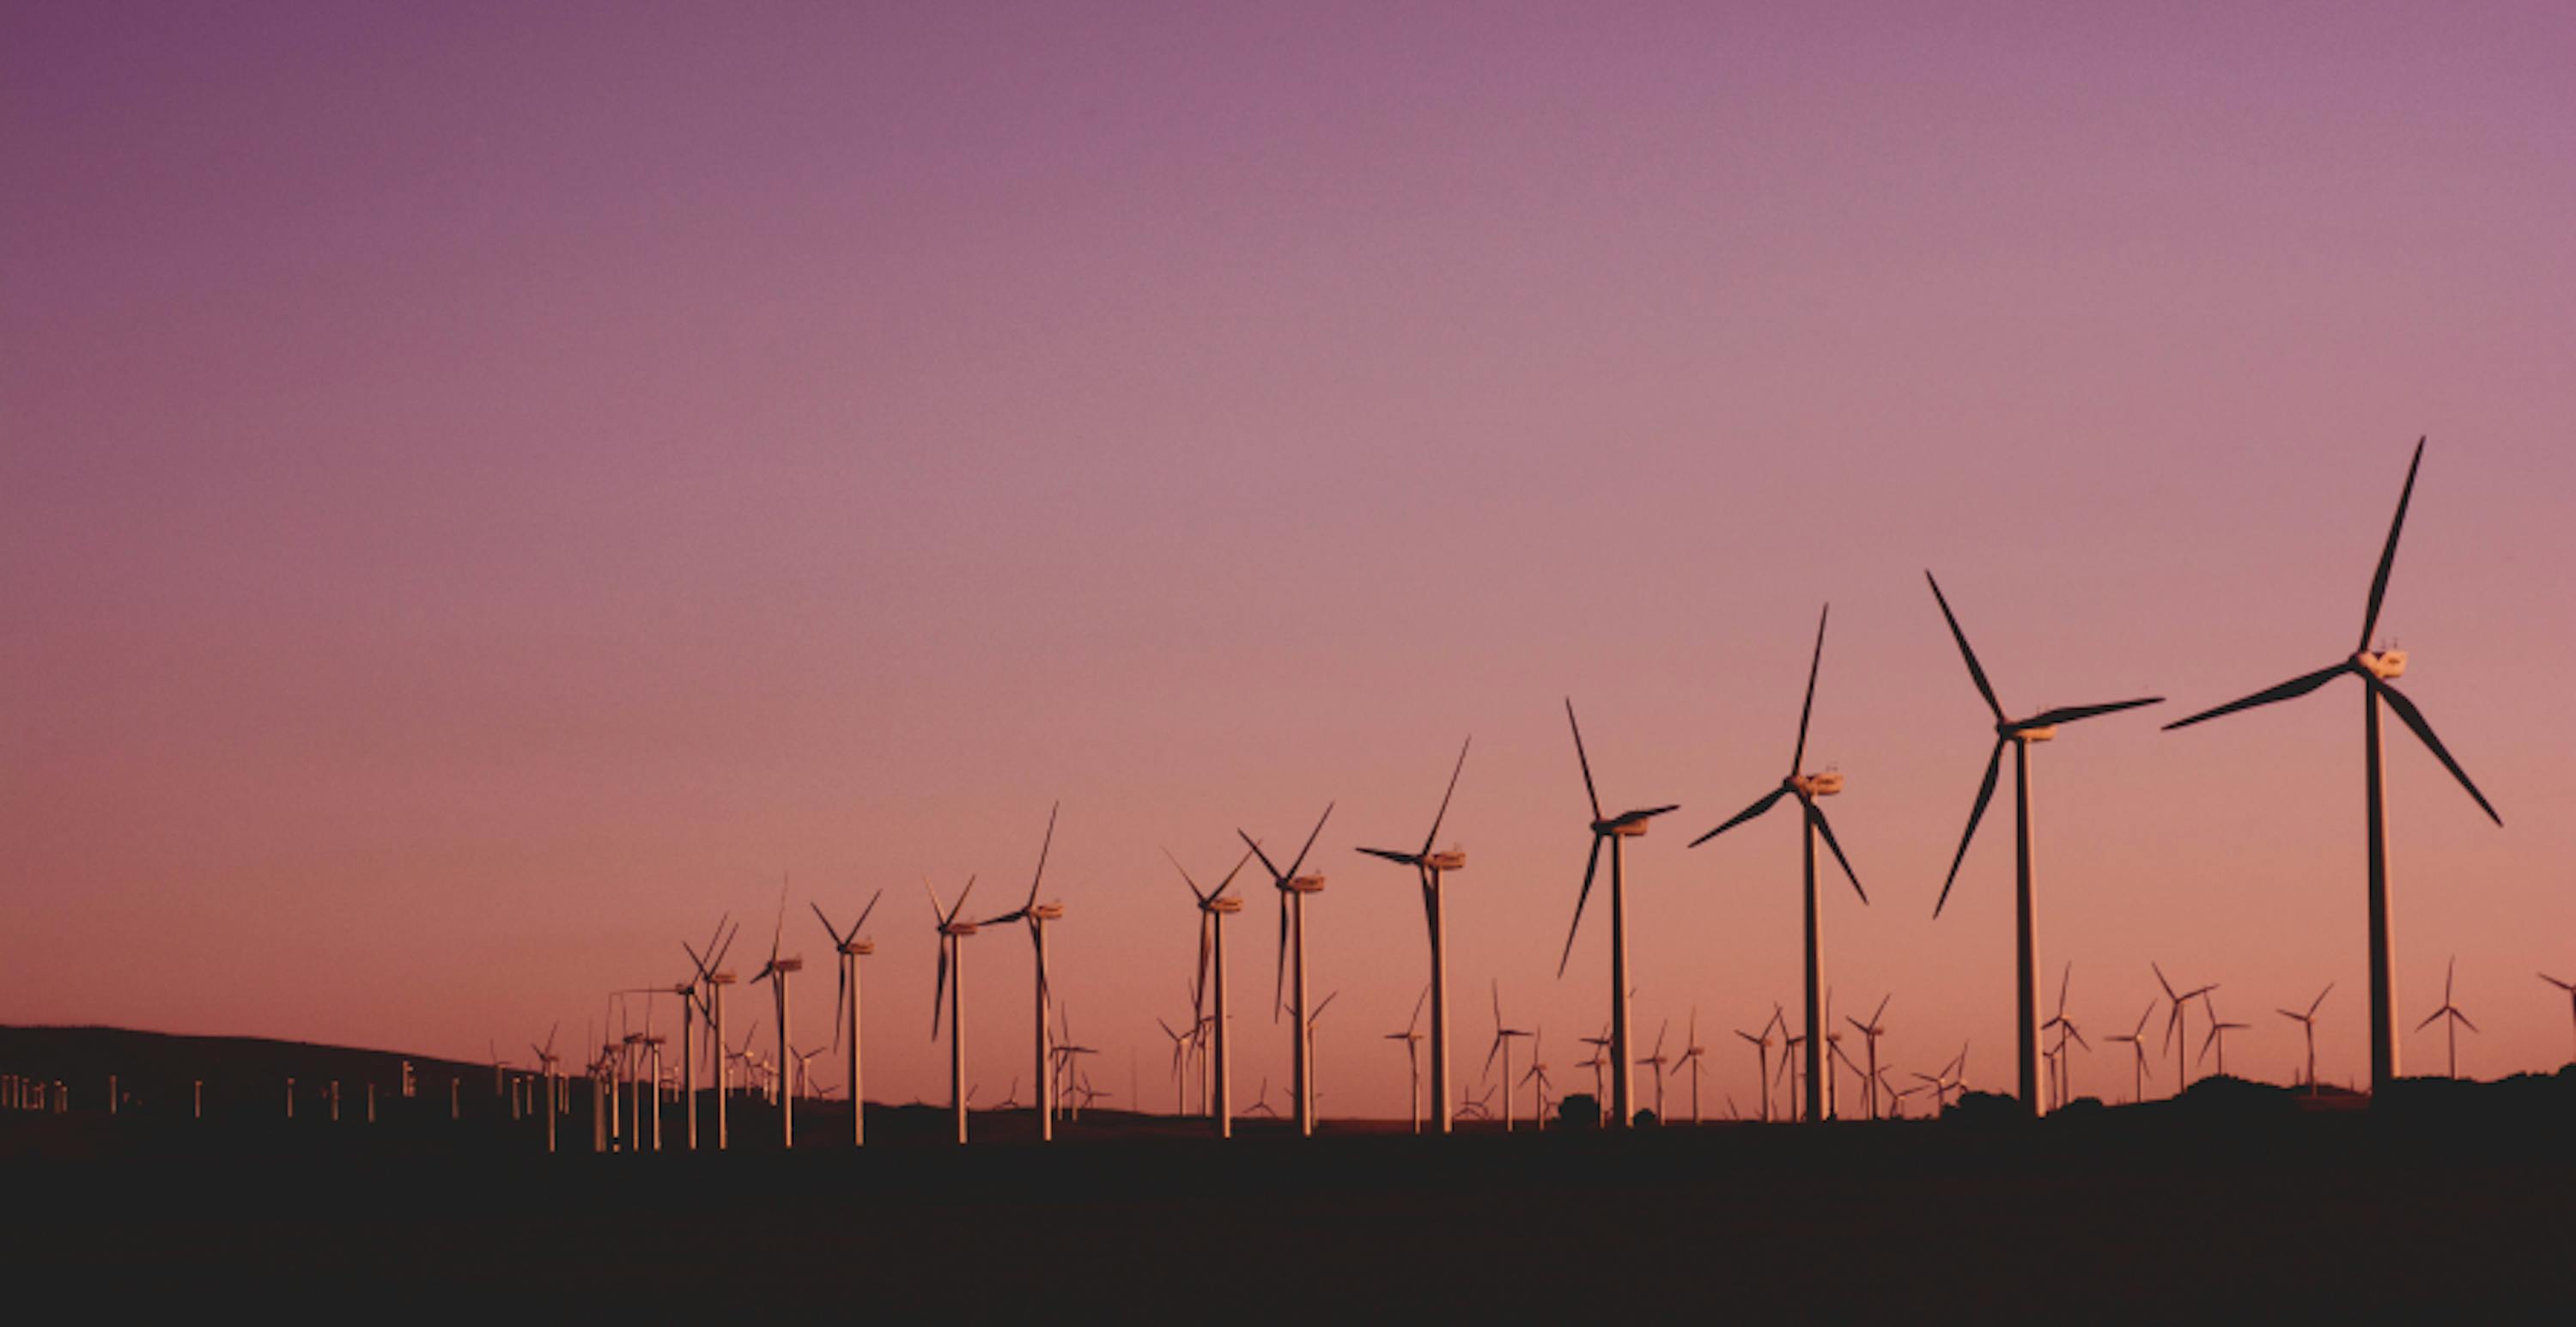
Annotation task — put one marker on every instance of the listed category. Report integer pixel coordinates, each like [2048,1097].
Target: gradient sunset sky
[485,488]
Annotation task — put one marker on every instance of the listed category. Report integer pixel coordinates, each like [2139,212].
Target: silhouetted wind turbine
[2065,1029]
[1807,788]
[845,1006]
[546,1069]
[1293,889]
[1656,1061]
[1215,906]
[2019,735]
[2218,1030]
[1411,1036]
[1693,1057]
[2137,1040]
[2567,986]
[1617,830]
[2454,1018]
[1762,1049]
[2376,669]
[1870,1032]
[1429,868]
[1037,915]
[2174,1023]
[777,971]
[2308,1024]
[1503,1036]
[950,986]
[710,981]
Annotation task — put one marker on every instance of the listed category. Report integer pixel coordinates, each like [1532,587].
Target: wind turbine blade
[961,898]
[1311,836]
[1808,710]
[1279,982]
[2449,971]
[2464,1019]
[2388,554]
[1975,673]
[1239,864]
[2432,1018]
[1266,863]
[1434,835]
[1985,794]
[2321,999]
[1590,865]
[1390,854]
[2414,719]
[1881,1011]
[1044,848]
[2290,690]
[864,912]
[2071,713]
[1759,806]
[828,928]
[1195,892]
[1826,828]
[1588,790]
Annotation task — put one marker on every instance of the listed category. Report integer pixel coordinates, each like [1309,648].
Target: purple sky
[485,490]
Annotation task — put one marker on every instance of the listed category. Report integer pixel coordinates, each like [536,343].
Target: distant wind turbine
[2218,1030]
[2569,987]
[1807,788]
[1293,889]
[1617,830]
[2176,1024]
[2137,1041]
[1037,915]
[777,971]
[2377,669]
[845,1005]
[1429,870]
[951,987]
[1215,905]
[2451,1014]
[2308,1024]
[1503,1037]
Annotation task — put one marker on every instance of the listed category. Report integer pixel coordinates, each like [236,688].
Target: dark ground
[2442,1198]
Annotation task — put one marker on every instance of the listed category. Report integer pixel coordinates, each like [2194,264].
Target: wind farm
[488,488]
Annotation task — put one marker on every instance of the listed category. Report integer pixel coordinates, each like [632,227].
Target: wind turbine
[1691,1057]
[777,970]
[2448,1012]
[1502,1046]
[1293,889]
[710,981]
[2308,1024]
[2218,1030]
[1180,1068]
[1599,1062]
[2066,1029]
[1215,906]
[1411,1036]
[2175,1023]
[1807,788]
[1037,915]
[1656,1061]
[951,987]
[546,1067]
[1870,1032]
[2377,669]
[845,1005]
[2569,987]
[1761,1043]
[1536,1077]
[1261,1104]
[2019,734]
[2137,1040]
[1616,830]
[1429,868]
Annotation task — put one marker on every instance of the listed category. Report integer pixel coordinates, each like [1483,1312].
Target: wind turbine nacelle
[859,948]
[1307,884]
[1629,829]
[1047,912]
[1822,785]
[1228,904]
[958,928]
[2047,734]
[1452,860]
[789,965]
[2386,665]
[722,978]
